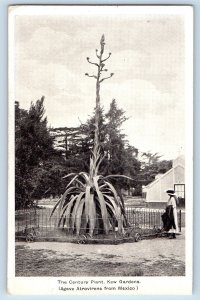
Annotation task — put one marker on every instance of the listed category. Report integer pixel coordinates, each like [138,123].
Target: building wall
[156,191]
[179,175]
[166,182]
[153,192]
[179,161]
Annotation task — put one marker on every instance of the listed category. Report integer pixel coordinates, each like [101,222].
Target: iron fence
[27,220]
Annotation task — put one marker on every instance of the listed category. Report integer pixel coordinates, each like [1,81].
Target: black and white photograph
[100,150]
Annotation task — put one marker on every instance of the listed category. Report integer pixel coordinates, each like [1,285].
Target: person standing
[170,218]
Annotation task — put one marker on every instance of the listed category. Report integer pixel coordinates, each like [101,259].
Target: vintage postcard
[100,150]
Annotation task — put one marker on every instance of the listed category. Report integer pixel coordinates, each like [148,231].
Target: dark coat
[168,218]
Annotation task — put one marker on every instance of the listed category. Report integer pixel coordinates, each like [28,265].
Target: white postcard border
[147,285]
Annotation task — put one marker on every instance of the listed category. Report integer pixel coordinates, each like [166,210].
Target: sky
[148,62]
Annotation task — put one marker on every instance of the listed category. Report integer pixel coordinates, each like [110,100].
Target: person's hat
[170,192]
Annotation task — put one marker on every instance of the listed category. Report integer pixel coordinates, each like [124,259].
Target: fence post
[149,218]
[180,220]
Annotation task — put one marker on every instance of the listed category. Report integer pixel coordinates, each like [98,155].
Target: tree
[152,167]
[151,158]
[46,178]
[121,158]
[33,145]
[90,200]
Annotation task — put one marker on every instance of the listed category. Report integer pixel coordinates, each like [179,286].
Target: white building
[174,179]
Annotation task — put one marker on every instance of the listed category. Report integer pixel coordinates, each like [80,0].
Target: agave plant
[90,200]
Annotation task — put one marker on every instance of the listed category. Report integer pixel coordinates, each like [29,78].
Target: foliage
[46,178]
[33,145]
[121,157]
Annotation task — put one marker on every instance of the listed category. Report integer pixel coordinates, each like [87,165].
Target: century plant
[90,200]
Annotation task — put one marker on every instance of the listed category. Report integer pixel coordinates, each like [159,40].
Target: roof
[162,176]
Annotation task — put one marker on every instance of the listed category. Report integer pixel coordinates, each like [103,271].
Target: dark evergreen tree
[121,157]
[33,145]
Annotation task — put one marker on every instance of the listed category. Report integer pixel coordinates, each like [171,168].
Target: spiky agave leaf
[68,175]
[92,214]
[60,203]
[85,177]
[79,215]
[122,176]
[80,183]
[75,208]
[54,208]
[116,210]
[66,210]
[113,191]
[66,198]
[103,206]
[73,179]
[87,202]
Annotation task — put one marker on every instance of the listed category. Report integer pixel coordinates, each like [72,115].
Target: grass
[49,263]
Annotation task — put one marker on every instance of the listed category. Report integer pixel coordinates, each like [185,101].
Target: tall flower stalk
[94,166]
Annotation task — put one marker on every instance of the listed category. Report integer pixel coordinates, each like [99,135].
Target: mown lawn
[42,262]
